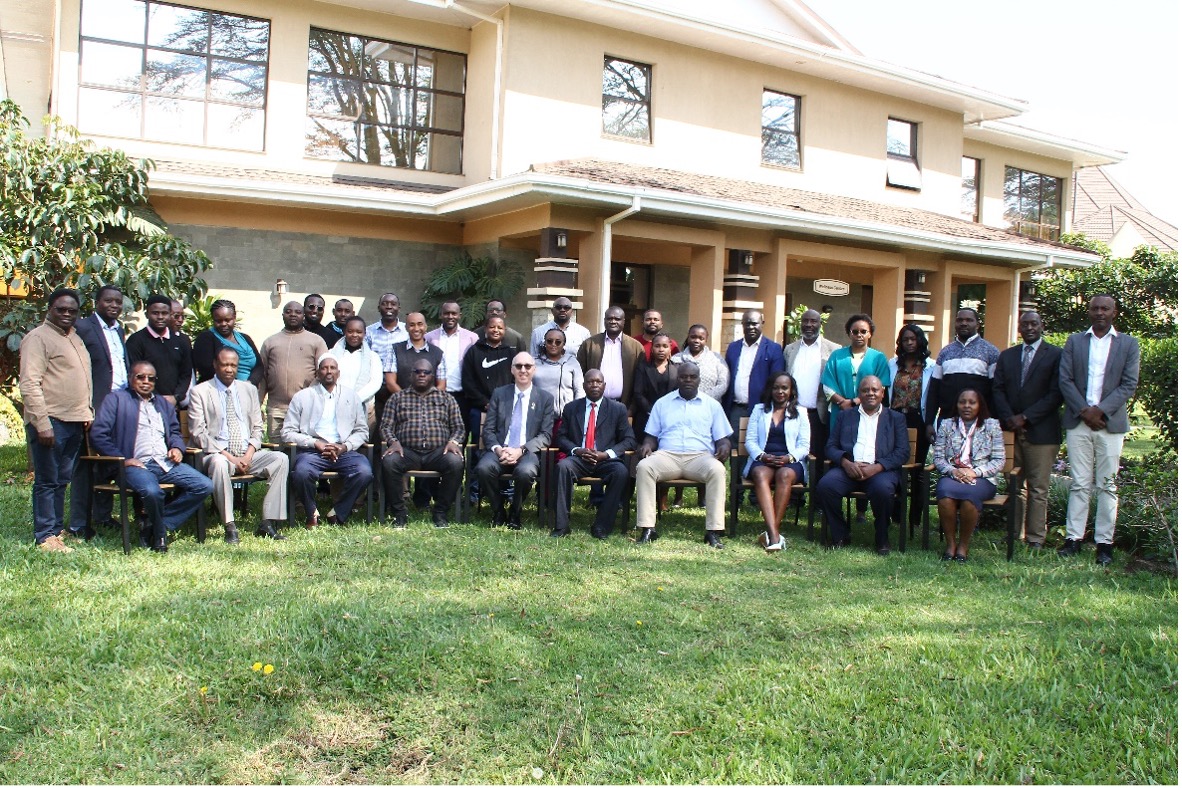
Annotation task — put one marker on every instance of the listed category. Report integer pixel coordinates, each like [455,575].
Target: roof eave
[1008,135]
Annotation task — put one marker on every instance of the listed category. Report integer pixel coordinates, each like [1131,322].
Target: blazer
[892,450]
[118,421]
[1038,399]
[205,350]
[988,454]
[306,408]
[827,348]
[590,356]
[90,331]
[769,359]
[797,434]
[1121,374]
[205,415]
[612,431]
[929,364]
[539,421]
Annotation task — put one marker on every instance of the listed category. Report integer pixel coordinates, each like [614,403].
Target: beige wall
[995,159]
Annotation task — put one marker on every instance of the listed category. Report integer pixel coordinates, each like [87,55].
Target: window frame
[977,168]
[795,133]
[647,103]
[144,93]
[903,171]
[1013,215]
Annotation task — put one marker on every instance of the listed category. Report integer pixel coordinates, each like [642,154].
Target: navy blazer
[90,331]
[892,449]
[769,360]
[1038,399]
[539,421]
[114,429]
[612,430]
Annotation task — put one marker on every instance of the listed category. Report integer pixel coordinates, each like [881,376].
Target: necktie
[237,445]
[1027,357]
[515,423]
[589,444]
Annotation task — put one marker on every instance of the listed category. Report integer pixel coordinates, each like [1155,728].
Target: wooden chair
[371,495]
[461,513]
[739,484]
[475,450]
[1007,501]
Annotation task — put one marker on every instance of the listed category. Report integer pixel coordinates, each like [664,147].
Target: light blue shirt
[114,336]
[682,425]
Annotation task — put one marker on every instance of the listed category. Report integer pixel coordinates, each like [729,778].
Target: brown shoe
[313,522]
[54,544]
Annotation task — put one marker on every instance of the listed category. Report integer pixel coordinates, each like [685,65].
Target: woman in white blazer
[777,443]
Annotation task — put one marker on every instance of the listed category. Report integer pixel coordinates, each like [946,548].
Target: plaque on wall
[831,287]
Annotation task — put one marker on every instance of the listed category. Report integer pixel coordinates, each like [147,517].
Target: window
[381,102]
[165,72]
[903,154]
[781,129]
[627,99]
[970,188]
[1032,203]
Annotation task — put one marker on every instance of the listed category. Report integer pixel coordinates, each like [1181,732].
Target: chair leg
[926,481]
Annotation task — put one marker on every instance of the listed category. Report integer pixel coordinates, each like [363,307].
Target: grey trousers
[271,465]
[1036,461]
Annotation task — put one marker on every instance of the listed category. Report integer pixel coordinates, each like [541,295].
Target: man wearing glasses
[518,427]
[563,311]
[141,425]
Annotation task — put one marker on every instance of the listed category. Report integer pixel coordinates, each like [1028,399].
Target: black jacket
[90,331]
[172,357]
[484,369]
[1038,399]
[205,348]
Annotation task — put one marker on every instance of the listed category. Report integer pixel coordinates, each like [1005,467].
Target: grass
[480,656]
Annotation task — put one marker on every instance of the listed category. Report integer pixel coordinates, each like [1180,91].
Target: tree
[73,215]
[472,282]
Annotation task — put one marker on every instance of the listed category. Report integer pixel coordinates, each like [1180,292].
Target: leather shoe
[85,534]
[713,541]
[884,550]
[1070,547]
[266,530]
[514,525]
[231,533]
[595,534]
[332,519]
[1103,554]
[647,535]
[499,517]
[145,535]
[560,532]
[439,518]
[400,520]
[313,522]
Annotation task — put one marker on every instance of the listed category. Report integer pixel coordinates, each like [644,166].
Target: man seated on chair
[226,424]
[422,430]
[327,424]
[687,437]
[594,435]
[867,446]
[517,428]
[140,425]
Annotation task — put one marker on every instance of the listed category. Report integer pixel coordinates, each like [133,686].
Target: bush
[471,282]
[1149,505]
[1158,390]
[12,425]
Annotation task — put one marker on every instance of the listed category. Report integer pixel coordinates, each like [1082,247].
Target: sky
[1092,70]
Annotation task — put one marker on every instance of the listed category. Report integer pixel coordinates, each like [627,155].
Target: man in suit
[594,436]
[751,360]
[226,424]
[1026,401]
[102,335]
[518,426]
[614,354]
[1098,374]
[804,360]
[867,447]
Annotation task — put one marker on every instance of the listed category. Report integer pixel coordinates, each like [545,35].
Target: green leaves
[472,282]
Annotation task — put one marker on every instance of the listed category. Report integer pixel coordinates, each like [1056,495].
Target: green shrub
[1158,390]
[1148,512]
[12,429]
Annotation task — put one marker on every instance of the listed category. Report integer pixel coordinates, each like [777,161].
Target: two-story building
[698,157]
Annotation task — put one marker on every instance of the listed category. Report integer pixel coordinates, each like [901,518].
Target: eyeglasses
[555,341]
[523,366]
[150,378]
[420,372]
[564,307]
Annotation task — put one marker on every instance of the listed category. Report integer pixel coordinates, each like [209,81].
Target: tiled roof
[279,176]
[1103,207]
[779,197]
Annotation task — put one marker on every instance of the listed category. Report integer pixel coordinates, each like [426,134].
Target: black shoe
[267,531]
[231,533]
[961,559]
[159,544]
[1034,546]
[500,517]
[947,557]
[439,518]
[400,519]
[596,534]
[513,525]
[1070,547]
[713,541]
[1103,554]
[884,551]
[647,535]
[85,534]
[558,533]
[840,543]
[145,535]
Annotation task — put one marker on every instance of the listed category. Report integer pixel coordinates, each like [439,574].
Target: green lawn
[480,656]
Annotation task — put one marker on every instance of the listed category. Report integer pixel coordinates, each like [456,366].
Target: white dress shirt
[806,370]
[114,336]
[743,373]
[612,366]
[1098,348]
[867,435]
[452,355]
[326,428]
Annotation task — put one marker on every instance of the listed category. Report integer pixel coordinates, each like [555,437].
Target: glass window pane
[386,104]
[1031,191]
[176,75]
[240,128]
[174,27]
[174,120]
[338,97]
[779,111]
[109,112]
[444,153]
[109,64]
[780,148]
[335,53]
[899,138]
[238,82]
[331,139]
[449,72]
[625,119]
[1050,201]
[423,109]
[625,80]
[449,113]
[117,20]
[239,37]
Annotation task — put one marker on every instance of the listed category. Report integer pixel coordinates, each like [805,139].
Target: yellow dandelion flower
[203,690]
[640,623]
[268,669]
[256,667]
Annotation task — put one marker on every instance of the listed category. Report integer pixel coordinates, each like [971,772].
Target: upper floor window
[627,99]
[781,129]
[165,72]
[381,102]
[970,188]
[1032,203]
[903,154]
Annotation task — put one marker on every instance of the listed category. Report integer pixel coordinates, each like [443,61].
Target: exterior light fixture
[560,239]
[280,287]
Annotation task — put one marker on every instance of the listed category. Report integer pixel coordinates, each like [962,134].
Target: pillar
[556,274]
[740,292]
[1000,323]
[707,264]
[888,307]
[917,299]
[772,270]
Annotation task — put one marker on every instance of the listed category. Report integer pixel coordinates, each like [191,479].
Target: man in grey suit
[226,424]
[1098,375]
[1026,401]
[517,428]
[804,360]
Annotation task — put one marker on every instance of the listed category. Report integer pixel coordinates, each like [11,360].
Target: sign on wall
[831,287]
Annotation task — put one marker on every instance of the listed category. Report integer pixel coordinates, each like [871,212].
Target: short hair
[976,316]
[313,295]
[223,303]
[343,301]
[143,362]
[158,299]
[921,342]
[859,316]
[357,318]
[226,349]
[62,292]
[649,311]
[660,334]
[99,293]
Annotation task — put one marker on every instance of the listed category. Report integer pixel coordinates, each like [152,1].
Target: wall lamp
[281,287]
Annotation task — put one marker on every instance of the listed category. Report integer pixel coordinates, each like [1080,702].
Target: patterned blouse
[714,375]
[906,389]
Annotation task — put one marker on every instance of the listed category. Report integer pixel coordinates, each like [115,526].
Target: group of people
[421,396]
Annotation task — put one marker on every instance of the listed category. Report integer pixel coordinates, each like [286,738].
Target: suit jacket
[118,421]
[590,356]
[90,331]
[306,408]
[1121,374]
[769,360]
[1038,399]
[612,431]
[827,349]
[206,411]
[539,421]
[891,448]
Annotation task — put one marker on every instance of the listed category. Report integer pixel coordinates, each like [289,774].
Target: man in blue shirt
[687,437]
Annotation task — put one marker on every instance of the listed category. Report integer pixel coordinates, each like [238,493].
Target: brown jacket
[590,356]
[54,377]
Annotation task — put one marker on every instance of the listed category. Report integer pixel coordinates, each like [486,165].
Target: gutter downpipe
[605,268]
[1014,305]
[494,157]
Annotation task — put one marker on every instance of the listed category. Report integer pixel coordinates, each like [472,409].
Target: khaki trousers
[1036,461]
[661,466]
[1094,457]
[272,465]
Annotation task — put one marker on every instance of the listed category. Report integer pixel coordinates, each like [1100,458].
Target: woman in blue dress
[225,334]
[969,453]
[777,444]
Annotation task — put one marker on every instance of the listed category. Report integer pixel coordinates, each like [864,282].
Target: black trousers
[614,474]
[395,466]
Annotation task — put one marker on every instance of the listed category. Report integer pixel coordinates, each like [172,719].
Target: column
[740,292]
[917,299]
[555,275]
